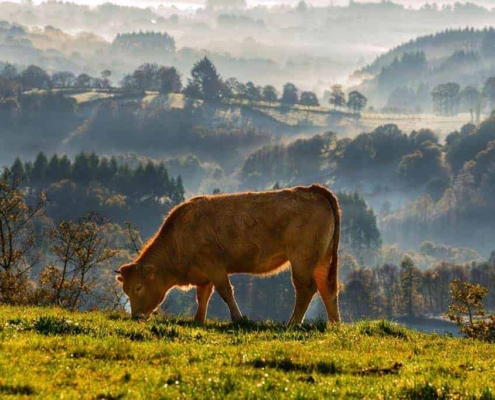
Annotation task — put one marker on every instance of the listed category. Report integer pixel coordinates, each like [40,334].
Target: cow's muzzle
[139,317]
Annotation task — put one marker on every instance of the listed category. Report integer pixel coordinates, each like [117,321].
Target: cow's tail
[333,272]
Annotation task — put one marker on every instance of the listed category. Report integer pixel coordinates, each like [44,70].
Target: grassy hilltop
[47,353]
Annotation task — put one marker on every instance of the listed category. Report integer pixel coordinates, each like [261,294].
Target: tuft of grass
[383,328]
[47,325]
[164,332]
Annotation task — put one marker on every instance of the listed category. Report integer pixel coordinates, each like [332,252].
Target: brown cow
[205,239]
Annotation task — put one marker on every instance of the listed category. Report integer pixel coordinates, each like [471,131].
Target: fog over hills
[192,4]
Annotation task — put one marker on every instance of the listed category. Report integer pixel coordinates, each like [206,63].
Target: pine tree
[410,280]
[53,171]
[40,167]
[65,167]
[104,172]
[491,261]
[81,169]
[17,170]
[180,189]
[205,75]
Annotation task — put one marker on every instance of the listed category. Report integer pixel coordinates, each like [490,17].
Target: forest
[452,65]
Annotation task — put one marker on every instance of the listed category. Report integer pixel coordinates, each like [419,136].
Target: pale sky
[197,3]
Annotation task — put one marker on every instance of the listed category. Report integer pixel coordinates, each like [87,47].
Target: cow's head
[143,287]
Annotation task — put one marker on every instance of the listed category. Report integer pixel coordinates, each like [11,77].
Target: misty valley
[112,118]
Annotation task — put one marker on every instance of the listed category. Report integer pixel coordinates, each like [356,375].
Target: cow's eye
[139,288]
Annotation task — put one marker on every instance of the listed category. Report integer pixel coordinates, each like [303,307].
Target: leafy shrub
[15,288]
[468,312]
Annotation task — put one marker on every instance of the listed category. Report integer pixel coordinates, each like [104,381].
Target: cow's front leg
[203,295]
[226,292]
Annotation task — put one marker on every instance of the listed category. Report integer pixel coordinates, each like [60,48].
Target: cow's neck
[155,254]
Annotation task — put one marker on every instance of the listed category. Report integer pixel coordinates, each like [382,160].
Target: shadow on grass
[393,370]
[287,365]
[427,391]
[246,325]
[109,396]
[17,390]
[323,368]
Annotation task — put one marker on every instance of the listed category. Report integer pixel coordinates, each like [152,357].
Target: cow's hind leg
[328,291]
[226,292]
[203,294]
[305,286]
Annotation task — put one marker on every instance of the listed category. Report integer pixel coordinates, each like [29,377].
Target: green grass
[47,353]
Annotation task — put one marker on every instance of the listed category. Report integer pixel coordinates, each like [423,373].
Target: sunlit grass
[51,352]
[91,95]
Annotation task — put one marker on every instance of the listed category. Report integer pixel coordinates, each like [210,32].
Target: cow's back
[253,232]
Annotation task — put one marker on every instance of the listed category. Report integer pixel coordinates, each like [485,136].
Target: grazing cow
[204,240]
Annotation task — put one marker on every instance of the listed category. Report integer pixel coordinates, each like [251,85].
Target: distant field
[82,97]
[323,117]
[172,100]
[439,124]
[51,353]
[89,96]
[315,117]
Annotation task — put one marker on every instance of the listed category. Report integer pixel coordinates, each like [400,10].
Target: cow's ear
[119,278]
[149,272]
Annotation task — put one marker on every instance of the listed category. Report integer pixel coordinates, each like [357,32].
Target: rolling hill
[50,353]
[405,76]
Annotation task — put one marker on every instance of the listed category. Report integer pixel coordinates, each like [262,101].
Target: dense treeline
[391,291]
[205,83]
[144,41]
[386,154]
[446,38]
[141,194]
[465,204]
[410,67]
[453,183]
[154,78]
[144,180]
[14,82]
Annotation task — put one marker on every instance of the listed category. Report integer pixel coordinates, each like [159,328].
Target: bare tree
[79,247]
[134,238]
[18,251]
